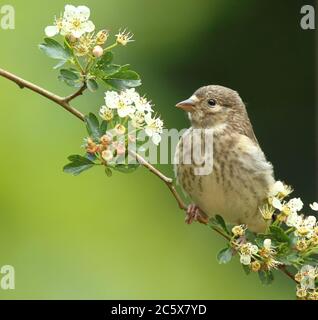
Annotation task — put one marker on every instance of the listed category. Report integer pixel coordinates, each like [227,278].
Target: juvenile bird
[240,176]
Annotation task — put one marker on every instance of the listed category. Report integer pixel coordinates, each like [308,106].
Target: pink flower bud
[106,139]
[120,129]
[120,149]
[107,155]
[98,51]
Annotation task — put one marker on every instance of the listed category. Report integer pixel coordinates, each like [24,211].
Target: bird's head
[212,106]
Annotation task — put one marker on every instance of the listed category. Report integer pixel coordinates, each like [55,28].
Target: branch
[288,274]
[160,175]
[77,93]
[64,103]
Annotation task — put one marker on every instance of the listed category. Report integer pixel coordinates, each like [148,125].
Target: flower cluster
[133,108]
[108,145]
[123,115]
[258,258]
[74,22]
[306,278]
[305,229]
[75,26]
[289,243]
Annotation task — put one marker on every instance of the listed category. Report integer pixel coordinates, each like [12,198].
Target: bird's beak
[187,105]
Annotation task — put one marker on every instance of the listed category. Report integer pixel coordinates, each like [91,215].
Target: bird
[239,178]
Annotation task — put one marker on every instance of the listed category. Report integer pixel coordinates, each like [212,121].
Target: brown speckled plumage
[241,175]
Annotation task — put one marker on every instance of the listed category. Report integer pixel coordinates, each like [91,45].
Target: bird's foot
[195,214]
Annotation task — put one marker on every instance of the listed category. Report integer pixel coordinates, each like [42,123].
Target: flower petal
[69,11]
[314,206]
[254,249]
[267,244]
[149,132]
[83,12]
[89,26]
[51,31]
[277,204]
[245,259]
[156,138]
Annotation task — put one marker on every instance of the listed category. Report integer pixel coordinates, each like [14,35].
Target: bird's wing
[248,131]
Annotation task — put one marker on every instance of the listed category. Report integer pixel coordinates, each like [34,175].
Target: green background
[92,237]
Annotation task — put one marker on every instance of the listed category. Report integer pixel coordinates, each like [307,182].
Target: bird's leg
[195,214]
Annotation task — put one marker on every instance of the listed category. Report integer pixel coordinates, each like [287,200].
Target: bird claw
[194,214]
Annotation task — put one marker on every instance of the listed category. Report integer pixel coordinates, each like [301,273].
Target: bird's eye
[212,102]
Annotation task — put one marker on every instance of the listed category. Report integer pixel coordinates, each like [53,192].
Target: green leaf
[71,77]
[59,64]
[312,259]
[126,168]
[250,236]
[77,165]
[259,240]
[92,126]
[106,59]
[92,85]
[76,157]
[220,221]
[108,172]
[70,83]
[55,50]
[90,156]
[279,234]
[109,70]
[266,277]
[124,79]
[69,74]
[225,256]
[103,127]
[289,259]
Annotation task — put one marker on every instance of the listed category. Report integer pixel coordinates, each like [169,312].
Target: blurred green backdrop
[97,238]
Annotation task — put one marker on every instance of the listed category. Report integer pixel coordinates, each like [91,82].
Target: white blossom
[111,99]
[153,128]
[122,103]
[124,37]
[143,105]
[106,113]
[137,119]
[76,20]
[130,96]
[246,251]
[129,105]
[267,244]
[277,188]
[308,275]
[58,27]
[293,220]
[304,225]
[295,204]
[314,206]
